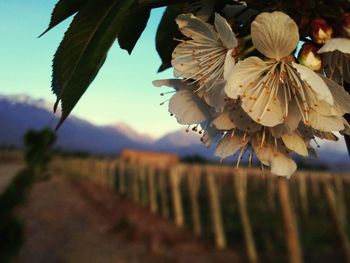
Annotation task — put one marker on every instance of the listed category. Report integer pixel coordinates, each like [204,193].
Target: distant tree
[38,148]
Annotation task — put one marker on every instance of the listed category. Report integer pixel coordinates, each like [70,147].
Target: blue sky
[123,90]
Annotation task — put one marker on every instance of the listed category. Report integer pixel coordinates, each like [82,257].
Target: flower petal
[320,106]
[210,136]
[280,163]
[340,44]
[224,122]
[229,144]
[226,34]
[290,124]
[202,57]
[274,34]
[195,28]
[188,108]
[177,84]
[325,123]
[295,143]
[229,64]
[215,97]
[261,109]
[315,81]
[242,74]
[330,136]
[337,66]
[283,165]
[185,62]
[341,97]
[243,121]
[346,130]
[249,80]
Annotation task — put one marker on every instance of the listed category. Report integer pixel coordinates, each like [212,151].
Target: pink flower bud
[320,30]
[345,24]
[308,57]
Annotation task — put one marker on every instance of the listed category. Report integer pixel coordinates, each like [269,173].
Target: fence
[301,220]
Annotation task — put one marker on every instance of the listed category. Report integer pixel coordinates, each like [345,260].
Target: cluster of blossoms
[271,105]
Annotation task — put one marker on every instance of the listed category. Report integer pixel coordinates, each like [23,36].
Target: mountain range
[18,113]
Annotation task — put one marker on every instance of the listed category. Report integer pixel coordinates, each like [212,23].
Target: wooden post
[152,189]
[143,186]
[121,176]
[97,174]
[128,176]
[218,228]
[315,185]
[175,179]
[135,183]
[271,191]
[340,228]
[162,181]
[194,180]
[303,193]
[240,185]
[112,169]
[290,225]
[105,175]
[340,195]
[108,173]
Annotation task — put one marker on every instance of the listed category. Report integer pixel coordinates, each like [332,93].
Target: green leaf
[167,31]
[135,23]
[63,10]
[84,49]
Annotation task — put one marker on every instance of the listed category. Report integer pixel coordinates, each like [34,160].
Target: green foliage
[63,10]
[38,148]
[16,192]
[11,238]
[135,23]
[11,228]
[84,49]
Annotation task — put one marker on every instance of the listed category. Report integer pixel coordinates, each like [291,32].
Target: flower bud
[308,57]
[320,31]
[345,24]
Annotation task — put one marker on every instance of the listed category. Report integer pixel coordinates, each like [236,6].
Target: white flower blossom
[208,50]
[272,107]
[277,89]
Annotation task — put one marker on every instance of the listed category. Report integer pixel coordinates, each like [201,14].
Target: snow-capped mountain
[131,133]
[26,99]
[20,113]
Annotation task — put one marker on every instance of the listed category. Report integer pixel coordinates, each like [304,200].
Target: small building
[149,158]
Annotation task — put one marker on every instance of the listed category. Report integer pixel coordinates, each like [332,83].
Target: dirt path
[73,221]
[7,172]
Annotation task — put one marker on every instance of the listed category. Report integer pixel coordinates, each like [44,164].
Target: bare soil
[77,221]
